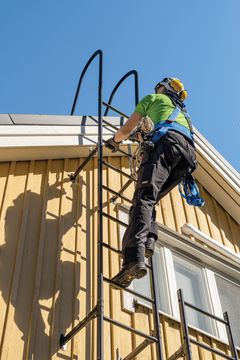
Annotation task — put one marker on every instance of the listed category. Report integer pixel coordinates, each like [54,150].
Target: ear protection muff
[183,95]
[173,85]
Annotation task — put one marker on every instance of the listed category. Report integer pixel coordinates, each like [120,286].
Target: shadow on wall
[40,276]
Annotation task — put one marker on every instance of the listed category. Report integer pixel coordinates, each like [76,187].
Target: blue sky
[45,44]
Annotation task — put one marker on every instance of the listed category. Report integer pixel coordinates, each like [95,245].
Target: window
[229,294]
[202,285]
[190,278]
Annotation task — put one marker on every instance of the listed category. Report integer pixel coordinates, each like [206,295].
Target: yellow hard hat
[173,85]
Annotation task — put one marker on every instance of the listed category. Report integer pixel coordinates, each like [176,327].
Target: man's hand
[112,144]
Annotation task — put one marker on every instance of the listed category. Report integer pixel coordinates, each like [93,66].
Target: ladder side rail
[230,336]
[95,54]
[100,294]
[184,327]
[135,74]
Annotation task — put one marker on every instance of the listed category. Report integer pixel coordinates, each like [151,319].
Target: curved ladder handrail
[135,74]
[100,53]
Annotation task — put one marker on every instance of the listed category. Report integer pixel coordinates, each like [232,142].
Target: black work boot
[150,247]
[129,272]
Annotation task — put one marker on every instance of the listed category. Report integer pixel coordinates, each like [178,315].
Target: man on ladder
[168,158]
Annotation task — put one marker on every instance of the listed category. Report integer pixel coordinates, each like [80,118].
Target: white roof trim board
[59,136]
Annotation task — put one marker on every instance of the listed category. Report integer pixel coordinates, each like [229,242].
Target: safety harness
[190,192]
[161,128]
[188,187]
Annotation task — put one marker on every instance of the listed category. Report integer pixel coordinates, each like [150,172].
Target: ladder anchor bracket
[179,353]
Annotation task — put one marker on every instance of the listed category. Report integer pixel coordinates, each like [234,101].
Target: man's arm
[128,127]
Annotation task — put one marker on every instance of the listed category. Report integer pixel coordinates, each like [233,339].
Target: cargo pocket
[146,175]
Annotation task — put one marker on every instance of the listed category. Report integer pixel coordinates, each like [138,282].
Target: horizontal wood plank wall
[48,264]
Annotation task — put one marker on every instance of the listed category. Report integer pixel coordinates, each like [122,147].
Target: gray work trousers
[162,168]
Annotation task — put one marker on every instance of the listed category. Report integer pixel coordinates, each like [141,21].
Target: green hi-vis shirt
[159,107]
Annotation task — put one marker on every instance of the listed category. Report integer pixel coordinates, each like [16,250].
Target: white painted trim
[215,303]
[216,160]
[190,229]
[168,268]
[32,137]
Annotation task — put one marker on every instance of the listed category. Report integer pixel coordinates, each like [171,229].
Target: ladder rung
[206,347]
[118,170]
[114,109]
[112,249]
[129,328]
[113,283]
[105,122]
[114,219]
[206,313]
[117,194]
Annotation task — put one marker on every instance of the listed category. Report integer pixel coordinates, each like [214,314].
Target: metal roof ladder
[98,310]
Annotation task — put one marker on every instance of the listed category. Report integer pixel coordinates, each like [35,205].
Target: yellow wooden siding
[48,264]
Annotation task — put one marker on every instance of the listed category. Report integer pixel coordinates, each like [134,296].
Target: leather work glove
[136,136]
[112,144]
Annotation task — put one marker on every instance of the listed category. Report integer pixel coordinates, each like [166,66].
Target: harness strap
[162,127]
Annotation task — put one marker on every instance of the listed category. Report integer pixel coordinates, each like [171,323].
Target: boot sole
[135,272]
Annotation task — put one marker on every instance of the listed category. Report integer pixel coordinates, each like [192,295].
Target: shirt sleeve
[143,105]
